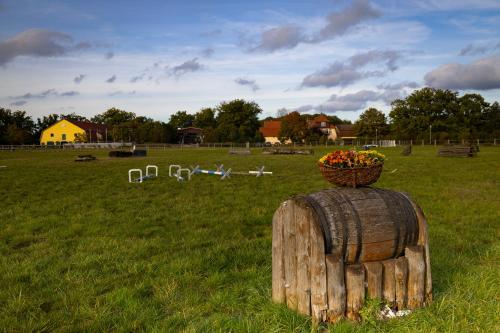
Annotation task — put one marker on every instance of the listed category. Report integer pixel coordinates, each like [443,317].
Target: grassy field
[81,249]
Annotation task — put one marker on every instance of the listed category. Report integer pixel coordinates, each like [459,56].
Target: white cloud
[482,74]
[348,102]
[78,79]
[111,79]
[338,23]
[38,43]
[478,49]
[343,74]
[192,65]
[247,82]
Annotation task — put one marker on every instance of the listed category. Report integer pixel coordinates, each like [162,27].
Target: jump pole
[219,172]
[259,172]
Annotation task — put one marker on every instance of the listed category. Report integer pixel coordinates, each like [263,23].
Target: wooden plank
[389,282]
[423,240]
[303,218]
[278,271]
[319,298]
[290,253]
[373,271]
[335,287]
[416,276]
[355,290]
[401,277]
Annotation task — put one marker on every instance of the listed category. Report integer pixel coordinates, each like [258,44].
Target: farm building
[271,128]
[346,133]
[65,131]
[322,124]
[271,131]
[189,135]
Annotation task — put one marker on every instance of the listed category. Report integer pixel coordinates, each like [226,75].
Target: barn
[66,131]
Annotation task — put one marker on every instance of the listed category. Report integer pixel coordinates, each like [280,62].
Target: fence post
[434,142]
[422,142]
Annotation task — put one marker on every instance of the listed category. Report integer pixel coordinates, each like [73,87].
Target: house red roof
[316,121]
[321,118]
[89,126]
[346,131]
[271,128]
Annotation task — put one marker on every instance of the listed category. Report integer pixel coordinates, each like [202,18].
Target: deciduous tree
[293,127]
[237,121]
[371,123]
[181,119]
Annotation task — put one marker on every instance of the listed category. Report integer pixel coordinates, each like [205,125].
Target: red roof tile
[271,128]
[346,131]
[89,126]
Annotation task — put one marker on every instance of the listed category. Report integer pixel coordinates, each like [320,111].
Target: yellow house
[65,131]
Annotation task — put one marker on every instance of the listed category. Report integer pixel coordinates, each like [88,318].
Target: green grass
[81,249]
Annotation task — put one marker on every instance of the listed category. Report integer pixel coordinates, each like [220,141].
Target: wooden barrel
[362,224]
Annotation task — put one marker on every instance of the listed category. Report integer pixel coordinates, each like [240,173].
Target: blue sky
[157,57]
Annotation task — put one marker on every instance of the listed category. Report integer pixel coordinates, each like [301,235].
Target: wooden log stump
[401,277]
[416,276]
[303,218]
[355,290]
[278,266]
[373,271]
[336,288]
[319,298]
[290,258]
[389,282]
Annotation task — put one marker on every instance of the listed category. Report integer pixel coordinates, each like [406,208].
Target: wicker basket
[352,176]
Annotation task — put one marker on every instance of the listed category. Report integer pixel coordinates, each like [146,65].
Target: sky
[154,58]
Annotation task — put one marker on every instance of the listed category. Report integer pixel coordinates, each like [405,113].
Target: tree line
[426,114]
[441,113]
[434,114]
[234,121]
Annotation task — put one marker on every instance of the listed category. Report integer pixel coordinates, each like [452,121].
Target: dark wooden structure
[406,150]
[189,135]
[120,153]
[333,248]
[239,151]
[287,151]
[128,153]
[458,151]
[85,158]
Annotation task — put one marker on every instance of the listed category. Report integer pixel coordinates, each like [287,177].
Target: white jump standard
[141,178]
[176,171]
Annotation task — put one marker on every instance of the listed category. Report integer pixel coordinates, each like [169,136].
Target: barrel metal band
[322,221]
[359,229]
[334,197]
[411,212]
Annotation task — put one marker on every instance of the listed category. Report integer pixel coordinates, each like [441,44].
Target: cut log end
[416,276]
[355,290]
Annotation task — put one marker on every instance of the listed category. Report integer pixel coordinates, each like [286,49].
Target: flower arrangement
[352,159]
[351,167]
